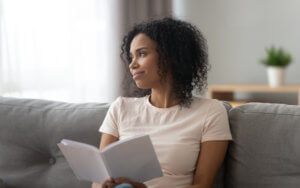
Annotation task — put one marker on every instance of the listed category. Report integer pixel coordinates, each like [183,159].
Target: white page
[85,161]
[133,158]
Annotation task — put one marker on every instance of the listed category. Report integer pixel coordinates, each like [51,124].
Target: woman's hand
[111,183]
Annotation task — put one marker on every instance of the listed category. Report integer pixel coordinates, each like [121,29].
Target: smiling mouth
[137,75]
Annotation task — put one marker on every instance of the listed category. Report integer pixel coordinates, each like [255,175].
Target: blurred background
[68,50]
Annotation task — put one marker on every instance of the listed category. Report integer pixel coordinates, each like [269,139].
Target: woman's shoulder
[205,103]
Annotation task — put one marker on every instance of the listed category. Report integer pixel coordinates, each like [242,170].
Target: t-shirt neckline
[148,103]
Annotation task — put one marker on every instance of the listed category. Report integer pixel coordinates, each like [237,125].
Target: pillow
[265,150]
[29,132]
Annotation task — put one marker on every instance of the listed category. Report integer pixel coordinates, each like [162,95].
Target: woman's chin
[141,86]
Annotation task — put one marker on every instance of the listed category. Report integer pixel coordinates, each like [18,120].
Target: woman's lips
[137,75]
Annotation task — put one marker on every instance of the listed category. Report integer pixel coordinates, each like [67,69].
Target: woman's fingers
[109,183]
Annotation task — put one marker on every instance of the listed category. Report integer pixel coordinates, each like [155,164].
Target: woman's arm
[106,139]
[210,159]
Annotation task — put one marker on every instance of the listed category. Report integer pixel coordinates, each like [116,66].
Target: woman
[168,59]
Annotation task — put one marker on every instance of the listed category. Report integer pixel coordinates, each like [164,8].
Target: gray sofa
[265,151]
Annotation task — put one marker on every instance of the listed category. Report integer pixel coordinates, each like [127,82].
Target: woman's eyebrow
[139,49]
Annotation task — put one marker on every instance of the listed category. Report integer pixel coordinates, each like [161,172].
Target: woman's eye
[142,54]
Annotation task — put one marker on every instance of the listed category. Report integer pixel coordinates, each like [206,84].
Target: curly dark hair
[182,51]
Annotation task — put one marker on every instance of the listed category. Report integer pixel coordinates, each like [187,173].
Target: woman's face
[144,63]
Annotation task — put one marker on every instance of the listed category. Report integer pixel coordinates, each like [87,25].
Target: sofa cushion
[265,150]
[29,132]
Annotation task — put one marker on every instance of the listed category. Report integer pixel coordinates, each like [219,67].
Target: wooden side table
[226,92]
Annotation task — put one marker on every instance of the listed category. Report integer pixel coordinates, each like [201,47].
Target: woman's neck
[163,99]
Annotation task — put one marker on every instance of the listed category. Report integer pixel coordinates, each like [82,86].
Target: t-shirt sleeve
[110,124]
[216,126]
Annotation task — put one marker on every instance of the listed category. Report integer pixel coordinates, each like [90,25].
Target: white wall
[238,32]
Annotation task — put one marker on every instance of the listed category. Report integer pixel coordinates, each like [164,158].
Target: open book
[133,158]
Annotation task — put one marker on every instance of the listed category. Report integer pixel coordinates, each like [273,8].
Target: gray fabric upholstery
[227,106]
[1,183]
[29,132]
[265,151]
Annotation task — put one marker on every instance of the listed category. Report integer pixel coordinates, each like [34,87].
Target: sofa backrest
[265,152]
[29,133]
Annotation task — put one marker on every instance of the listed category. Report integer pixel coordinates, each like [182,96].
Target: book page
[133,158]
[85,161]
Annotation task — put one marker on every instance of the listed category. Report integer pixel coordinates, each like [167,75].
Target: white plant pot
[276,76]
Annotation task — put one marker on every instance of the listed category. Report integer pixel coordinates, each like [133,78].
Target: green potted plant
[276,62]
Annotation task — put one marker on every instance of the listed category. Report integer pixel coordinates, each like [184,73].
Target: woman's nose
[133,64]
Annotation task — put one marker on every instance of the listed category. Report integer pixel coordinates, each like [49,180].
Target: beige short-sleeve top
[176,133]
